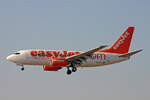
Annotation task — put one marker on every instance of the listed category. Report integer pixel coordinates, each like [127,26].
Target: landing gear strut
[74,69]
[22,68]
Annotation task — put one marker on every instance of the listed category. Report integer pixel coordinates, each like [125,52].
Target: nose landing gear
[22,67]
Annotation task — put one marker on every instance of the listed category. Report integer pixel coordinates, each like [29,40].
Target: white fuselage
[43,57]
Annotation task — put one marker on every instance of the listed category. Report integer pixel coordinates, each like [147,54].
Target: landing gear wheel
[69,72]
[74,69]
[22,69]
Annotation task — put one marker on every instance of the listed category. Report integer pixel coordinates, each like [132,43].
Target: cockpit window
[17,53]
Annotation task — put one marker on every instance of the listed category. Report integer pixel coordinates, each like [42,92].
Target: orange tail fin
[122,45]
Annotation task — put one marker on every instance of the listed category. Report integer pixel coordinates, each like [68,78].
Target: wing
[77,59]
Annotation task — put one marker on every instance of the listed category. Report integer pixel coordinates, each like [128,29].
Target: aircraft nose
[10,58]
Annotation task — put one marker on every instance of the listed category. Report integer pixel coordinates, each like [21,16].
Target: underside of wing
[77,59]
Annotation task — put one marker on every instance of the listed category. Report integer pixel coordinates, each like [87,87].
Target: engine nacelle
[50,68]
[58,62]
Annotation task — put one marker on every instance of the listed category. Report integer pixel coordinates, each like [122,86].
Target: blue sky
[74,25]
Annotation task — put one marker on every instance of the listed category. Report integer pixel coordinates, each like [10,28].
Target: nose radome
[9,58]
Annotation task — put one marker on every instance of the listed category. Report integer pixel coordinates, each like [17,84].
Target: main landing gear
[74,69]
[69,71]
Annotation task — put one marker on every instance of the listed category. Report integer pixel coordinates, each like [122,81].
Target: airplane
[54,60]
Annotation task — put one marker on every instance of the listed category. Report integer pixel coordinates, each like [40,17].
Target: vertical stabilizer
[122,45]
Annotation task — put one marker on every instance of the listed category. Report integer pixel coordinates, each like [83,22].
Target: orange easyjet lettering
[52,53]
[56,53]
[41,54]
[33,53]
[48,53]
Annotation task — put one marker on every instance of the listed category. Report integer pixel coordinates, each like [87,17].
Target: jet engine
[58,62]
[50,68]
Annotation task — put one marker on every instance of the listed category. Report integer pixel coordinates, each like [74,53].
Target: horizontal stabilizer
[130,54]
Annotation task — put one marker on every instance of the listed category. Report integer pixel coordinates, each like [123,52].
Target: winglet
[131,53]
